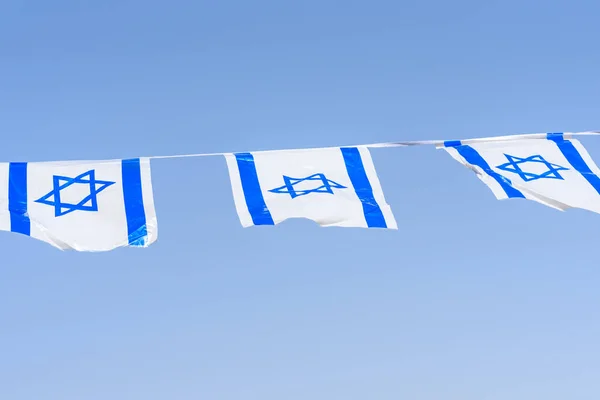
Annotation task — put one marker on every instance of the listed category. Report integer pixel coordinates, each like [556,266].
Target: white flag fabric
[80,205]
[331,186]
[555,171]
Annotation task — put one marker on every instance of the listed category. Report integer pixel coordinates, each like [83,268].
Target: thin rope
[438,143]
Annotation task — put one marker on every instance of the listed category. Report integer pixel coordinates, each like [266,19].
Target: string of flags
[102,205]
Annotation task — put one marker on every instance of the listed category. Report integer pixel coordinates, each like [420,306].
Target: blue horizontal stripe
[137,232]
[252,192]
[17,198]
[358,176]
[575,159]
[452,143]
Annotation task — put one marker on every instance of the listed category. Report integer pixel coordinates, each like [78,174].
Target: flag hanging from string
[556,172]
[80,205]
[332,186]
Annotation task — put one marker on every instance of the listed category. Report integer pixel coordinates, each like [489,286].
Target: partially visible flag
[80,205]
[555,171]
[331,186]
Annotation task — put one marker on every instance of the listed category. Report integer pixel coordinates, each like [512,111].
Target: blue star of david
[88,203]
[513,166]
[326,185]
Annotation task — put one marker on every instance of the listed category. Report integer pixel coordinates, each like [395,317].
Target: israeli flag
[331,186]
[554,171]
[80,205]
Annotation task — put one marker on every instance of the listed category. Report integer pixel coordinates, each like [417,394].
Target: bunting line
[111,203]
[436,143]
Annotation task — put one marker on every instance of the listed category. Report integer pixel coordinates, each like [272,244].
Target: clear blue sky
[471,299]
